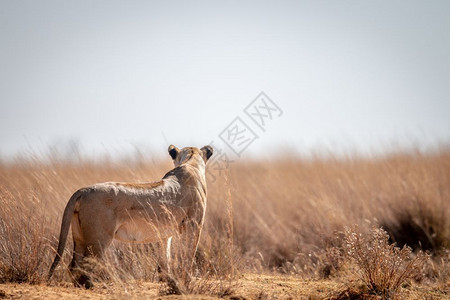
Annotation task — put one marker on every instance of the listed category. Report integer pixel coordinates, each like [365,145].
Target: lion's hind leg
[93,251]
[88,246]
[77,265]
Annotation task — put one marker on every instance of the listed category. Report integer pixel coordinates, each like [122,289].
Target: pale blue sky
[112,75]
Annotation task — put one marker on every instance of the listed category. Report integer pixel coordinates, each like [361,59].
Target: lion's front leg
[163,258]
[196,230]
[188,243]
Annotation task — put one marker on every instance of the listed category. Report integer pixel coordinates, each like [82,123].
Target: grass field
[274,228]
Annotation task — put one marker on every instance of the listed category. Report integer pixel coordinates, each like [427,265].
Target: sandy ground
[249,286]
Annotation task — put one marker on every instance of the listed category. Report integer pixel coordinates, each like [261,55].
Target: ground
[249,286]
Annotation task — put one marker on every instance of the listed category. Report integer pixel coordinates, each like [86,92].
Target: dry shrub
[383,267]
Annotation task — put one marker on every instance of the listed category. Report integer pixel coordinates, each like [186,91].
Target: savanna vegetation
[289,227]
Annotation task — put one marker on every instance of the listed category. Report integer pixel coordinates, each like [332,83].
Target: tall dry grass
[277,215]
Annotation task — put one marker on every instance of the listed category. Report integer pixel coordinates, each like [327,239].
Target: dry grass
[264,217]
[383,267]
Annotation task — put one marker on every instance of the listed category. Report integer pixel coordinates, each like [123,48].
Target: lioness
[137,212]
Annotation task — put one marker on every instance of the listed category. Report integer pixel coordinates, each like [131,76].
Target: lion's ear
[207,151]
[173,151]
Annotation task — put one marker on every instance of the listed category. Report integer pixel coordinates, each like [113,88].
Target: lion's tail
[65,225]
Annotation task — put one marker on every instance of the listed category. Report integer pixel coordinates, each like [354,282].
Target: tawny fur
[137,212]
